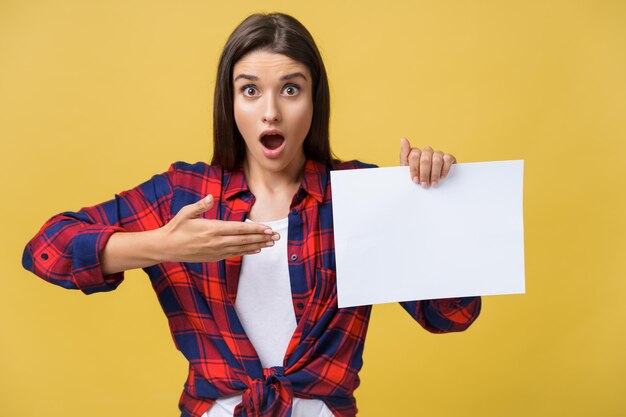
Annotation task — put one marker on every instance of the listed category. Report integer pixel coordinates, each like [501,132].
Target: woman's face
[273,105]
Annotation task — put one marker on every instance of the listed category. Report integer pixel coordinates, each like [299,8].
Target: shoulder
[353,164]
[199,167]
[194,179]
[185,172]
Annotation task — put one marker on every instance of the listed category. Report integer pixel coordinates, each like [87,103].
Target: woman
[241,252]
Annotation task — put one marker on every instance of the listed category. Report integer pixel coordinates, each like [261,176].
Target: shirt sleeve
[66,251]
[444,315]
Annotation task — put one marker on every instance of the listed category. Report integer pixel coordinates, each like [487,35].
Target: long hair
[282,34]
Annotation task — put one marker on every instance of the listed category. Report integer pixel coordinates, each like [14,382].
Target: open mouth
[272,142]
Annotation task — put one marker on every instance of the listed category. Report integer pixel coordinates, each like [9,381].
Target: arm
[67,250]
[90,249]
[186,238]
[131,250]
[444,315]
[427,168]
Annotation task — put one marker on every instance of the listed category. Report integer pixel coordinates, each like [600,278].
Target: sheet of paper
[395,241]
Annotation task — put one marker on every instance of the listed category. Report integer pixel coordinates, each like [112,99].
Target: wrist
[156,244]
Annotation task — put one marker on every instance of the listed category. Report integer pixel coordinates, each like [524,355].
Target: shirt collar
[234,183]
[313,181]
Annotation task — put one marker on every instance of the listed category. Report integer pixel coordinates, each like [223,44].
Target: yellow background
[97,96]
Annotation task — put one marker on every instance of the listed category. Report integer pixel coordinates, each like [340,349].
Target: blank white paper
[395,241]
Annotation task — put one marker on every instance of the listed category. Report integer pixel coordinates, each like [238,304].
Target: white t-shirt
[264,307]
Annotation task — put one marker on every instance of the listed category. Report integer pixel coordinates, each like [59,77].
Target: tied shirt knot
[262,395]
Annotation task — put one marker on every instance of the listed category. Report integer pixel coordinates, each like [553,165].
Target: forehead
[265,63]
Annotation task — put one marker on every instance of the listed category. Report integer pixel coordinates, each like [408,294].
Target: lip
[272,153]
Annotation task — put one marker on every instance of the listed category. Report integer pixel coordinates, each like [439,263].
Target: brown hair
[282,34]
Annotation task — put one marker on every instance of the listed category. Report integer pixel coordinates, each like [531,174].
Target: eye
[249,90]
[291,89]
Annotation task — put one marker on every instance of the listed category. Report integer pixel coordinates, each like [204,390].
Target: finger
[225,227]
[435,170]
[425,164]
[240,250]
[235,253]
[405,149]
[414,164]
[196,209]
[237,241]
[448,160]
[232,255]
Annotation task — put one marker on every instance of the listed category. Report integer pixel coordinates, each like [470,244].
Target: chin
[280,164]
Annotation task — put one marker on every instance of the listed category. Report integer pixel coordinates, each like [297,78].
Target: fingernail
[275,236]
[270,243]
[416,180]
[434,184]
[424,184]
[268,231]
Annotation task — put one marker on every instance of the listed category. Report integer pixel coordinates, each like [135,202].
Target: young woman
[240,252]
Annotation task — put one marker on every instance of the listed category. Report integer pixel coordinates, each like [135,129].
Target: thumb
[405,150]
[201,206]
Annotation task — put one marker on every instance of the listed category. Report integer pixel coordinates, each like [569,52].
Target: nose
[271,113]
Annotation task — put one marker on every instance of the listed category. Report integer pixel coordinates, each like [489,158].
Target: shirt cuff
[87,248]
[452,314]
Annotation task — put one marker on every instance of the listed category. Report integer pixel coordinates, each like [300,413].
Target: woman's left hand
[427,167]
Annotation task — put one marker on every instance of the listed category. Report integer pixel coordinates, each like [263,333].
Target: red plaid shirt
[325,353]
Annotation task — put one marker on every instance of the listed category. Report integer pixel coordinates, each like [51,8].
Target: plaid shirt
[324,355]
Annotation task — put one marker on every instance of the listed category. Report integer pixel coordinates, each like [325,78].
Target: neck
[259,178]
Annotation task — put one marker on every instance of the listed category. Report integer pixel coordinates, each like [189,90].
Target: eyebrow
[283,78]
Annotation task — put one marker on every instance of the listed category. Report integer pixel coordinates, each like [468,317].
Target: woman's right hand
[190,238]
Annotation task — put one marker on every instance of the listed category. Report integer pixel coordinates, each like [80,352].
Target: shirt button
[44,256]
[294,257]
[294,211]
[300,306]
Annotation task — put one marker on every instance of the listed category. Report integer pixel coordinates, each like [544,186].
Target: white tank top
[265,309]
